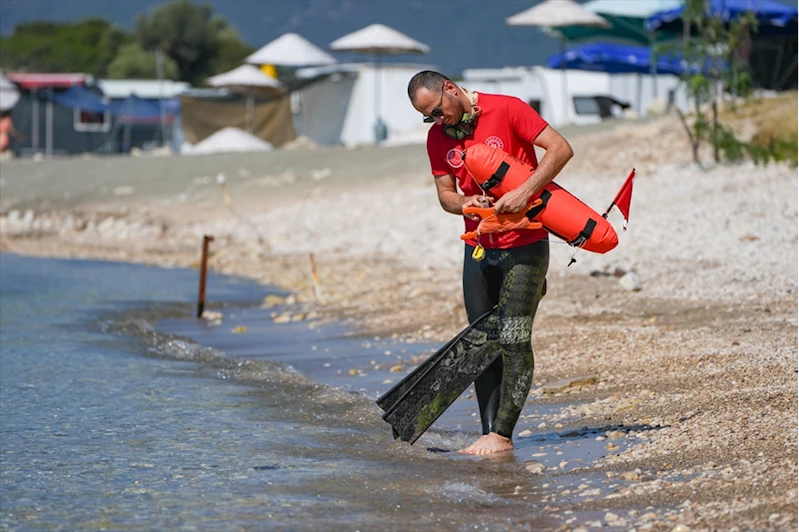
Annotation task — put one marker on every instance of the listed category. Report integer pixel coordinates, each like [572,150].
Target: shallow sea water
[119,411]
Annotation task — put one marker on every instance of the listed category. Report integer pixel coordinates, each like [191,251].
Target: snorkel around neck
[465,127]
[468,121]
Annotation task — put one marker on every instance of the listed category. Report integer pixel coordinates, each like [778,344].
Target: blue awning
[132,109]
[77,97]
[616,59]
[774,18]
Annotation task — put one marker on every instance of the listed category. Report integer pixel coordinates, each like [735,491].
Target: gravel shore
[696,369]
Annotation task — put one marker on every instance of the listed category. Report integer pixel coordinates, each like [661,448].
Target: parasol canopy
[290,50]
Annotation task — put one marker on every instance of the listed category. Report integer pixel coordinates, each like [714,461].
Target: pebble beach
[681,343]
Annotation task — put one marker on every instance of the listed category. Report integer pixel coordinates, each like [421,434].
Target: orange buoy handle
[493,222]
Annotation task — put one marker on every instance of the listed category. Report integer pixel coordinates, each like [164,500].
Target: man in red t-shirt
[511,275]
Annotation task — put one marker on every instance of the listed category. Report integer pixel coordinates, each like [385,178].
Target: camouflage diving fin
[415,402]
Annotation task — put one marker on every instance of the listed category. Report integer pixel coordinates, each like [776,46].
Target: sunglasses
[438,112]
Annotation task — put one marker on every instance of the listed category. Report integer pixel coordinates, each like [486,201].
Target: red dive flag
[623,197]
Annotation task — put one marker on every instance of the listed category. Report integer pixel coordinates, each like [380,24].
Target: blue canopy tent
[774,18]
[619,59]
[772,55]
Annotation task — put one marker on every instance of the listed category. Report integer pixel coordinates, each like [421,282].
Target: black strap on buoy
[544,197]
[585,234]
[497,177]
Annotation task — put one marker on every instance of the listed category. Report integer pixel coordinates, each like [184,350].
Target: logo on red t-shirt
[495,142]
[455,158]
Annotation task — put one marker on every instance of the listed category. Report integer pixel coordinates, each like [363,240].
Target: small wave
[464,492]
[308,399]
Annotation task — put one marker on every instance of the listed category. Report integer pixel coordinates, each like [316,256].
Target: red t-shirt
[507,123]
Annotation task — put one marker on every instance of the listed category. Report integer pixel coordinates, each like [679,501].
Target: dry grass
[774,119]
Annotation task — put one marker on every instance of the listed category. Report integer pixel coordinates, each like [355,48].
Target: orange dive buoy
[554,207]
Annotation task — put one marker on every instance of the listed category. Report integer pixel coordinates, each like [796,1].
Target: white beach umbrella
[558,14]
[290,50]
[9,95]
[247,79]
[250,81]
[378,40]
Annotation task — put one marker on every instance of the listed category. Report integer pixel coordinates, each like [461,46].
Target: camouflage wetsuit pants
[513,279]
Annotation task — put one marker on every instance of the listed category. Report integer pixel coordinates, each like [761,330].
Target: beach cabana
[250,82]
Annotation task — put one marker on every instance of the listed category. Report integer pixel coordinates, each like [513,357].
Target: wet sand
[695,390]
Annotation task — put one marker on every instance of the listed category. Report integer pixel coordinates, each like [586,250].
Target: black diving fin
[415,402]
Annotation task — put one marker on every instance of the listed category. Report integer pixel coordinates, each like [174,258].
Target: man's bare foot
[489,444]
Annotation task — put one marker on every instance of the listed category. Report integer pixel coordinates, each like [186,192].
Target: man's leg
[524,270]
[481,284]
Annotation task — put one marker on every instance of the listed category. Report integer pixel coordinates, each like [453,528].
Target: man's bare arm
[558,153]
[450,199]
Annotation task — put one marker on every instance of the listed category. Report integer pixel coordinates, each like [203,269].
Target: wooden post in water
[203,271]
[315,278]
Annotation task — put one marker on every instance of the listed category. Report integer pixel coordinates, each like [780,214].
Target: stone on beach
[631,281]
[565,384]
[211,315]
[535,467]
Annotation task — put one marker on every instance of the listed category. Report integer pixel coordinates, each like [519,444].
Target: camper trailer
[576,96]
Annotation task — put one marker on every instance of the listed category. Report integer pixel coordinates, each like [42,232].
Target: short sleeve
[438,165]
[526,122]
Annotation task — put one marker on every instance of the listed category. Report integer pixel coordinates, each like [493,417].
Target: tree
[192,35]
[86,46]
[718,71]
[133,62]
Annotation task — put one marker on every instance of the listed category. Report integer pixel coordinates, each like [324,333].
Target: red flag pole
[627,183]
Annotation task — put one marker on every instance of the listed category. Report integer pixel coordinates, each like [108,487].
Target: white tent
[8,94]
[250,81]
[290,49]
[333,106]
[557,14]
[379,40]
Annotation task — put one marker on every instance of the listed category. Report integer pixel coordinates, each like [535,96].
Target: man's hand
[476,201]
[513,201]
